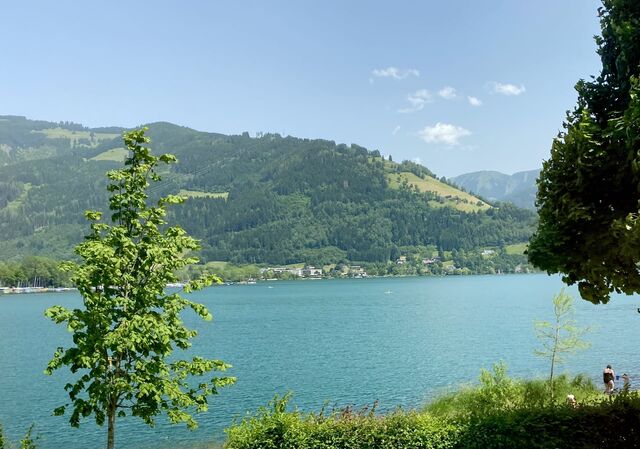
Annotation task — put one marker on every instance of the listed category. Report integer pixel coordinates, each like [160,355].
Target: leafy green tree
[561,336]
[129,325]
[588,190]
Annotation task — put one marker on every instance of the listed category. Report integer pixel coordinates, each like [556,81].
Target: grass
[498,413]
[389,166]
[295,265]
[217,264]
[198,194]
[517,248]
[497,391]
[76,136]
[453,197]
[14,206]
[227,271]
[115,154]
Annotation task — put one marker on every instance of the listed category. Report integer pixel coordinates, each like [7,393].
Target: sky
[458,86]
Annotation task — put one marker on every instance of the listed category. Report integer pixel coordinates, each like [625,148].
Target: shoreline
[37,290]
[30,290]
[387,276]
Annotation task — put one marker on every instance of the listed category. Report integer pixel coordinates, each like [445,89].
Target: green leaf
[129,326]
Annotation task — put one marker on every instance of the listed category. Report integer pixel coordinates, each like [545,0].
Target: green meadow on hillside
[252,200]
[447,195]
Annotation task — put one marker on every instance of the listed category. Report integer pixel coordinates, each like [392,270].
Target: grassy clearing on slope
[452,197]
[14,206]
[517,248]
[227,271]
[198,194]
[75,136]
[217,265]
[295,265]
[114,154]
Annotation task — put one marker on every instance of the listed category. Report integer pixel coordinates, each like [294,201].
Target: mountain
[264,199]
[519,188]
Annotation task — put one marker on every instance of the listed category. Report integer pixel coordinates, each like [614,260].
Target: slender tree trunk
[111,432]
[553,357]
[553,361]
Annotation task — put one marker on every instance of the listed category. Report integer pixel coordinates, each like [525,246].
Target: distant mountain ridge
[265,199]
[519,188]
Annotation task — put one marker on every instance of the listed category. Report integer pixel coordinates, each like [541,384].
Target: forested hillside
[265,199]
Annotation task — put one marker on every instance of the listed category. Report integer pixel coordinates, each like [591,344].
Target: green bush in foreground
[274,427]
[606,424]
[497,391]
[499,413]
[28,442]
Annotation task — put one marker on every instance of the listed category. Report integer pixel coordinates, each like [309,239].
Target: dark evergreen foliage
[289,200]
[588,190]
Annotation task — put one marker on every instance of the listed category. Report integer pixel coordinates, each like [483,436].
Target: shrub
[27,442]
[499,413]
[608,423]
[274,427]
[4,444]
[498,392]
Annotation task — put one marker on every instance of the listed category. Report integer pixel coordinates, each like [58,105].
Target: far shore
[24,290]
[32,290]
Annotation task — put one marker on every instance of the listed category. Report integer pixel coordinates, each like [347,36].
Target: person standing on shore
[627,383]
[608,375]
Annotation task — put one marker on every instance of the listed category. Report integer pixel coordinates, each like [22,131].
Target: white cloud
[395,130]
[507,89]
[417,160]
[443,133]
[417,100]
[448,93]
[395,73]
[474,101]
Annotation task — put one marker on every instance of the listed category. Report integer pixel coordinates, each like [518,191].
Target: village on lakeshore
[320,225]
[20,290]
[403,265]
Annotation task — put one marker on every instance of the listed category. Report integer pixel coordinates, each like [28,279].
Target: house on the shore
[282,270]
[299,272]
[357,271]
[311,272]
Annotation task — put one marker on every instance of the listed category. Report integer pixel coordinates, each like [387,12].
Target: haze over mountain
[519,188]
[269,198]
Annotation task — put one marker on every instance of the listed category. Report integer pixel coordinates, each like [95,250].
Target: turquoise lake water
[401,341]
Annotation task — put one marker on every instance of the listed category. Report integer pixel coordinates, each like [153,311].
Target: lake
[401,341]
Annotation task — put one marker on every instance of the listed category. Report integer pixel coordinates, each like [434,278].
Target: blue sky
[457,85]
